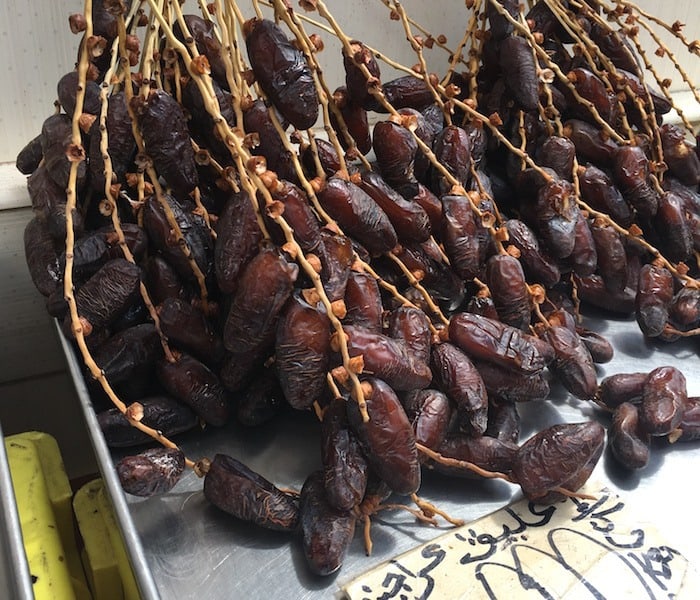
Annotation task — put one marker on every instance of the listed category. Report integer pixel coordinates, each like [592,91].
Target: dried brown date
[452,150]
[504,421]
[628,443]
[511,297]
[325,530]
[685,308]
[40,256]
[363,302]
[161,413]
[164,129]
[302,348]
[344,465]
[153,471]
[327,156]
[30,156]
[127,360]
[387,439]
[256,119]
[355,118]
[690,423]
[299,215]
[410,221]
[612,258]
[534,260]
[572,364]
[204,34]
[592,144]
[261,400]
[237,490]
[337,255]
[282,72]
[237,241]
[427,134]
[395,149]
[106,295]
[621,387]
[643,92]
[67,88]
[631,173]
[680,157]
[558,154]
[557,214]
[664,399]
[600,348]
[672,227]
[412,326]
[496,342]
[519,71]
[356,82]
[481,304]
[429,412]
[56,141]
[190,381]
[614,46]
[591,289]
[500,26]
[264,287]
[486,452]
[457,376]
[653,299]
[561,456]
[193,229]
[590,87]
[358,215]
[388,359]
[511,385]
[162,281]
[187,327]
[407,91]
[600,193]
[584,258]
[459,236]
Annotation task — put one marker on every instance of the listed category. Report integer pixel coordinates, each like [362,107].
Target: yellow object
[98,556]
[104,555]
[41,491]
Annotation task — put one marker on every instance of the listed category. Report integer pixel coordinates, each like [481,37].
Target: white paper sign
[573,550]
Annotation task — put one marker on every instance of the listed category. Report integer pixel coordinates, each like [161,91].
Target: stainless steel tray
[15,579]
[182,547]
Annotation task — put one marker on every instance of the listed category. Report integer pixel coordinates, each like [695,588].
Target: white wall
[37,48]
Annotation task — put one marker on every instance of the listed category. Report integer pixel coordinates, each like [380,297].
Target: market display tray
[180,546]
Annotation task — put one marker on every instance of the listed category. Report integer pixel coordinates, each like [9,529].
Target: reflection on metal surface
[189,549]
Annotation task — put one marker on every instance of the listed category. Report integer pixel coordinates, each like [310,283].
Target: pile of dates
[410,284]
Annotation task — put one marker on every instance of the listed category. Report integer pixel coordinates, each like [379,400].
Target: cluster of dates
[433,291]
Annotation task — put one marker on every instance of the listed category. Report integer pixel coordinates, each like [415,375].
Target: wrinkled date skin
[234,488]
[107,294]
[237,241]
[412,326]
[621,387]
[560,456]
[325,530]
[679,156]
[363,302]
[631,173]
[256,119]
[299,216]
[56,138]
[486,452]
[496,342]
[302,350]
[388,359]
[506,281]
[534,261]
[264,287]
[395,149]
[191,382]
[429,412]
[344,465]
[40,256]
[628,443]
[663,401]
[612,259]
[653,299]
[282,72]
[459,236]
[600,193]
[260,401]
[161,413]
[514,386]
[591,143]
[573,364]
[406,91]
[504,421]
[457,376]
[451,148]
[355,118]
[690,423]
[166,137]
[519,71]
[358,215]
[355,80]
[30,156]
[153,471]
[387,439]
[556,217]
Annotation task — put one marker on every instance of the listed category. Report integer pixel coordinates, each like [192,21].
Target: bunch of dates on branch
[225,238]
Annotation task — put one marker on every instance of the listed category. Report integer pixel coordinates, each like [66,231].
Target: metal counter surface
[186,548]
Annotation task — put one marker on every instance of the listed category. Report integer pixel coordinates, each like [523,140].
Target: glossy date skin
[363,302]
[533,259]
[628,443]
[429,412]
[191,382]
[496,342]
[395,149]
[326,531]
[560,456]
[387,439]
[41,257]
[282,72]
[459,234]
[664,400]
[237,490]
[486,452]
[520,71]
[573,363]
[653,299]
[511,297]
